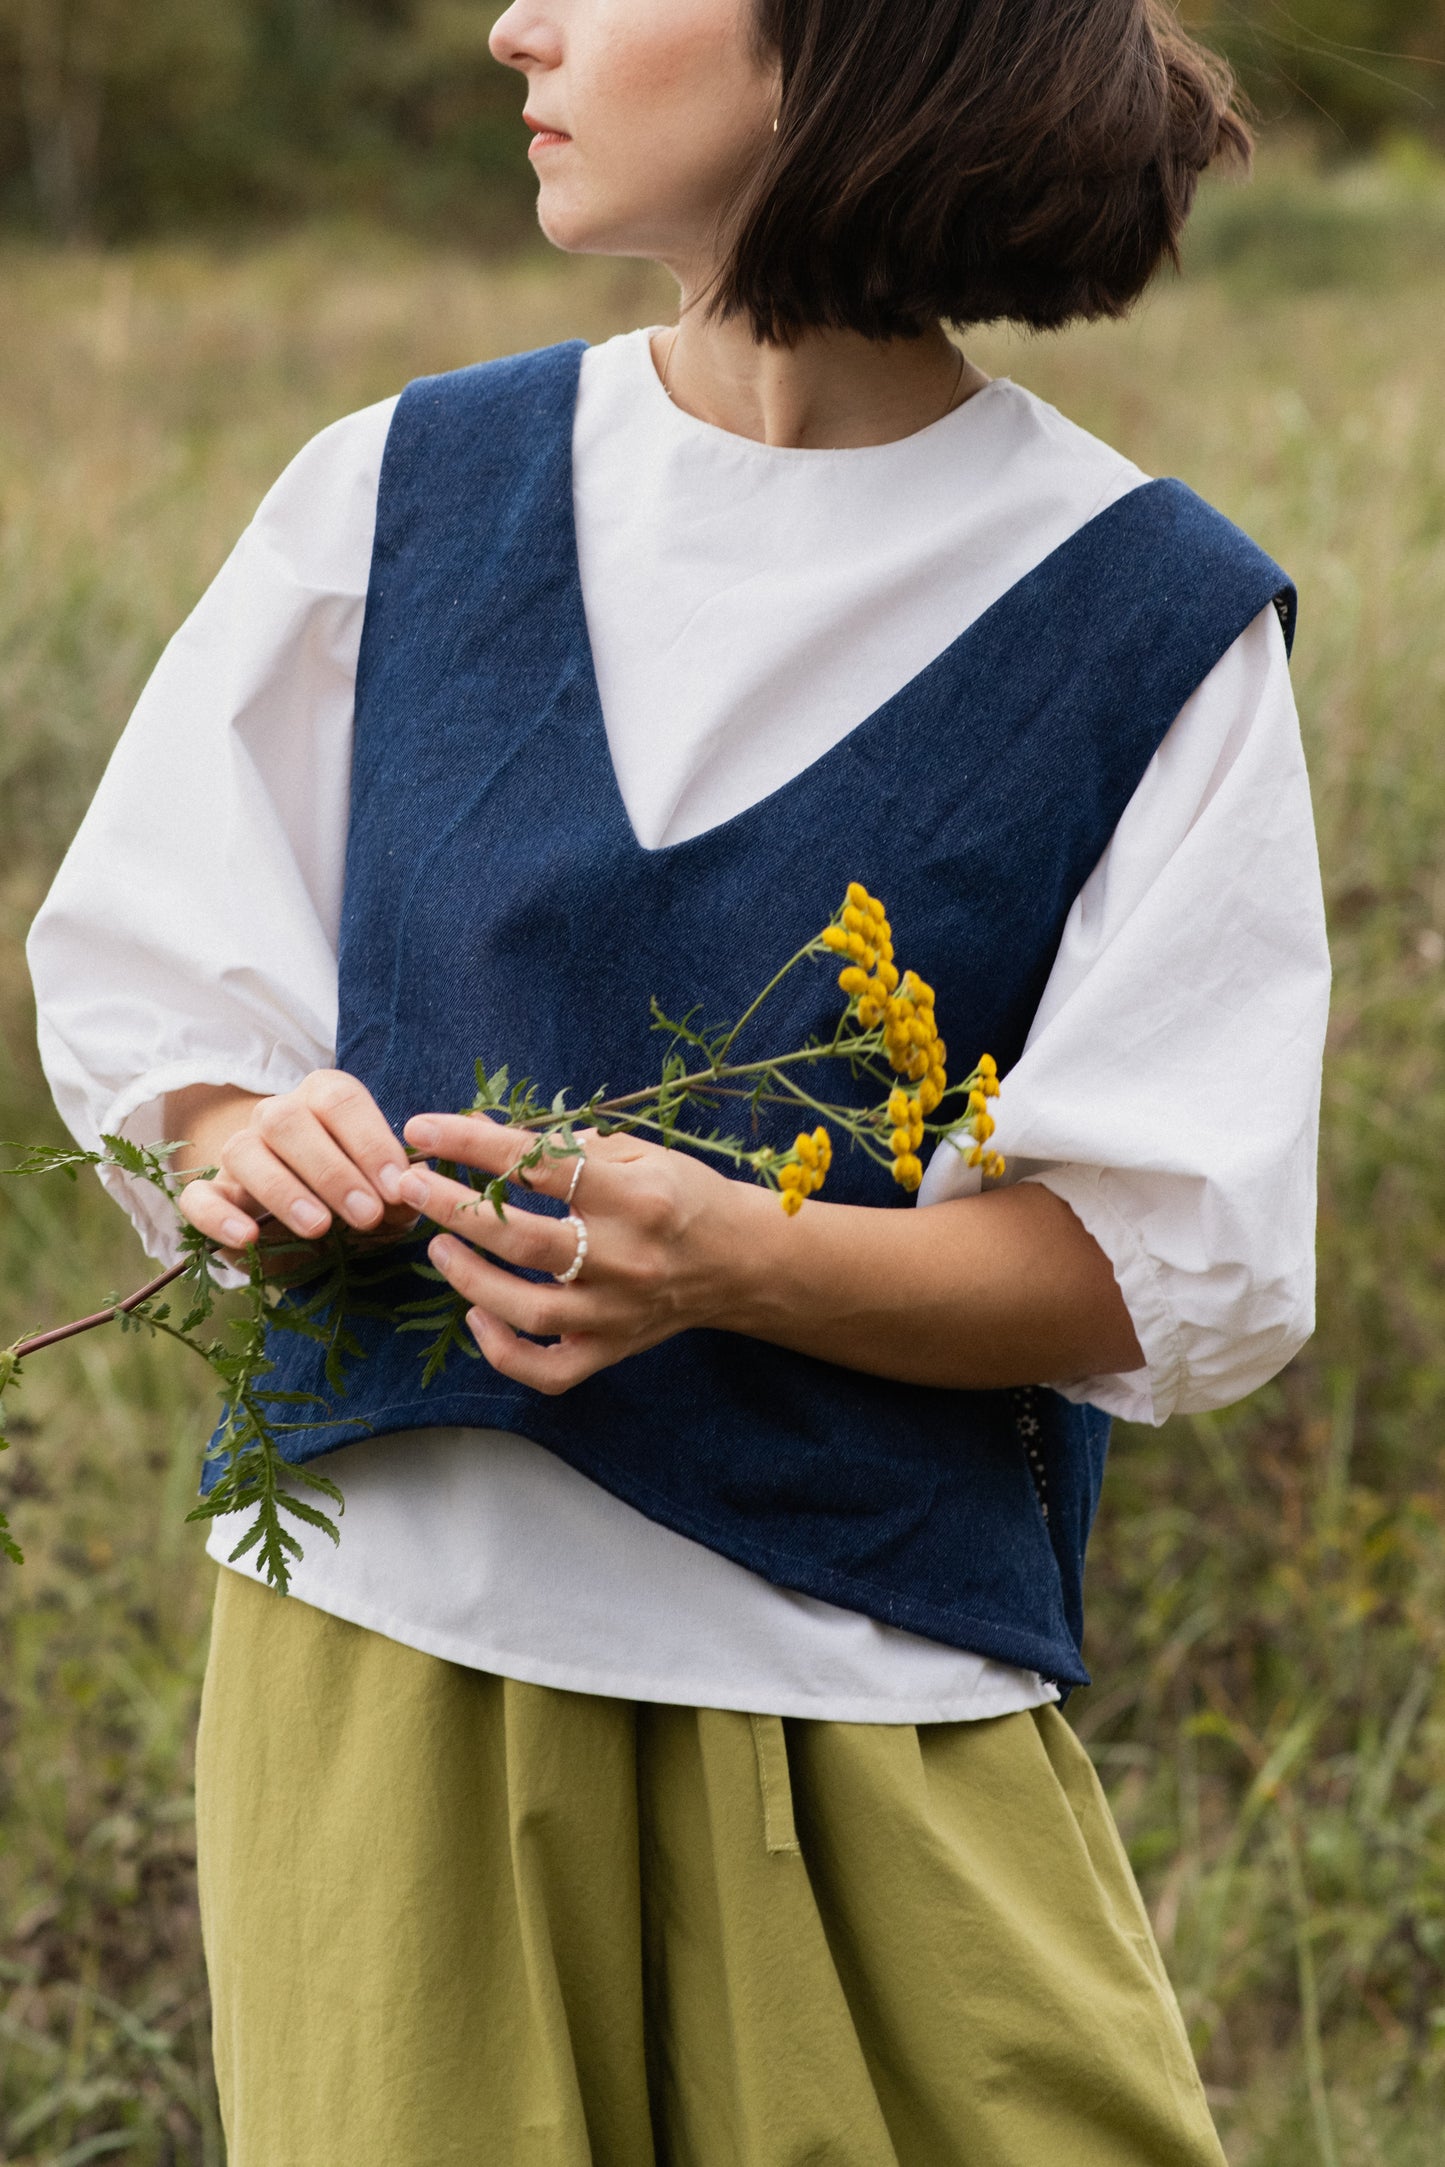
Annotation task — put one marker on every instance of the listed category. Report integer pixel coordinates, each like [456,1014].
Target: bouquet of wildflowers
[887,1033]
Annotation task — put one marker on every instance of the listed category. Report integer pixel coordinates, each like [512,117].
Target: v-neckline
[601,747]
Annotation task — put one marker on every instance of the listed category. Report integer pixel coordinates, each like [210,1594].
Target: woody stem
[101,1316]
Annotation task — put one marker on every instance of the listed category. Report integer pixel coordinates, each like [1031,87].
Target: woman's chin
[581,229]
[566,225]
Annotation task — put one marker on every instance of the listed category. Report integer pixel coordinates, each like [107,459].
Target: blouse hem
[573,1678]
[1052,1654]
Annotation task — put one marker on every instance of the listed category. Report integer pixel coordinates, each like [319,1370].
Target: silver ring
[575,1221]
[576,1177]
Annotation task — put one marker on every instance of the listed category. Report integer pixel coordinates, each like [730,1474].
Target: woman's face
[646,116]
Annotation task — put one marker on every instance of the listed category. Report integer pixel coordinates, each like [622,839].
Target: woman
[667,1764]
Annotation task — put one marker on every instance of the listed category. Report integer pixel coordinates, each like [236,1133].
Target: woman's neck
[832,390]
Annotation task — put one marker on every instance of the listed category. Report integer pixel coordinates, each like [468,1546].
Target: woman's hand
[979,1292]
[660,1229]
[303,1157]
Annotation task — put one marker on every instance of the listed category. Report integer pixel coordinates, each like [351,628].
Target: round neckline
[693,427]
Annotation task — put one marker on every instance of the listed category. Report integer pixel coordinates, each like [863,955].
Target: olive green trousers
[454,1918]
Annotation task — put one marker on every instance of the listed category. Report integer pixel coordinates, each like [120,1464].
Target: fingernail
[423,1133]
[415,1188]
[235,1232]
[388,1180]
[440,1251]
[360,1204]
[310,1215]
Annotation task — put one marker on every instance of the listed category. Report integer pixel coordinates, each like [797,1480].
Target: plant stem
[800,1097]
[100,1316]
[737,1153]
[811,947]
[1314,2059]
[857,1048]
[699,1083]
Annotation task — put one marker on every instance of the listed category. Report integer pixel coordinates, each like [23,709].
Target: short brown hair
[971,160]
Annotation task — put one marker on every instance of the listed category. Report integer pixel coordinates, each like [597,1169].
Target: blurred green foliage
[118,118]
[1370,224]
[123,117]
[1356,68]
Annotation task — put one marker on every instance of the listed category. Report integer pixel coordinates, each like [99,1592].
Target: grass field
[1268,1617]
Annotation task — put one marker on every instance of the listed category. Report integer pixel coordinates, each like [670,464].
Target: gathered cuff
[138,1114]
[1152,1393]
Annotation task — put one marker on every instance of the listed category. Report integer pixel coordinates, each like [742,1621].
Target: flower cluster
[906,1115]
[903,1005]
[803,1176]
[862,933]
[983,1086]
[900,1006]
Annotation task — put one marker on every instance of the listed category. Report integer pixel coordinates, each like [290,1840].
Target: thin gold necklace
[948,409]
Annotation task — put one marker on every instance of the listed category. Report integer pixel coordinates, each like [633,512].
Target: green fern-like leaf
[9,1547]
[50,1159]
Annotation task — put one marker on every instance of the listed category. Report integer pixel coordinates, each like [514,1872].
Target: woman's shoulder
[1059,478]
[1038,443]
[318,518]
[319,515]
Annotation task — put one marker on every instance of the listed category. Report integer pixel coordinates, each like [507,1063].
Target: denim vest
[498,904]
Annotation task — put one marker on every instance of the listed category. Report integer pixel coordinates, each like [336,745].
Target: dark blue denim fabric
[498,904]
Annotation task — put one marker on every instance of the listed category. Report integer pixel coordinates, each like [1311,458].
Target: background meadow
[1268,1585]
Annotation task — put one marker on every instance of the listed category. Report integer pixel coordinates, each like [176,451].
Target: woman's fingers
[504,1307]
[641,1206]
[301,1159]
[221,1210]
[493,1148]
[312,1153]
[299,1133]
[527,1305]
[524,1238]
[277,1185]
[552,1369]
[350,1115]
[321,1151]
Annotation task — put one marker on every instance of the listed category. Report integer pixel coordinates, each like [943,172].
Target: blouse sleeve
[190,934]
[1169,1088]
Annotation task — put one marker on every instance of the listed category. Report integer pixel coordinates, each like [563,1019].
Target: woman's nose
[523,36]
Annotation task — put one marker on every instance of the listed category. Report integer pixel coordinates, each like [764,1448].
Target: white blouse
[747,607]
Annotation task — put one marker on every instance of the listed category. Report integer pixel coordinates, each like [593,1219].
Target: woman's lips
[543,138]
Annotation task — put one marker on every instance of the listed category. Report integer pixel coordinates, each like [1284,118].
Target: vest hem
[1059,1664]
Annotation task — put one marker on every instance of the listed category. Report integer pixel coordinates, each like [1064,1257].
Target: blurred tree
[122,116]
[116,118]
[78,76]
[1357,68]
